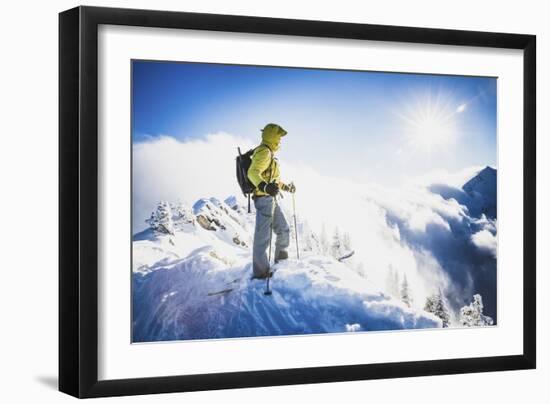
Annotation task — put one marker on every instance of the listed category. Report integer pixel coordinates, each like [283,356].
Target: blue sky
[369,126]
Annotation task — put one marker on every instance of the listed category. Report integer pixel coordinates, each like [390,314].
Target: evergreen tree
[472,315]
[309,239]
[314,242]
[346,242]
[182,213]
[436,304]
[323,240]
[405,292]
[392,282]
[161,219]
[336,246]
[306,237]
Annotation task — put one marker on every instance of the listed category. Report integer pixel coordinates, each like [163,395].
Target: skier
[264,174]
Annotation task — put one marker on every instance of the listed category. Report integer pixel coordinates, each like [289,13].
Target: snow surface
[195,284]
[190,299]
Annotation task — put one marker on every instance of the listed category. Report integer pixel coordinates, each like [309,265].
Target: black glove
[272,188]
[289,188]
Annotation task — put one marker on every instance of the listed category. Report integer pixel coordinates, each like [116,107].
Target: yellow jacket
[264,165]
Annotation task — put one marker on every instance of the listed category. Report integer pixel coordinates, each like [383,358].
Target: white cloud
[486,241]
[353,327]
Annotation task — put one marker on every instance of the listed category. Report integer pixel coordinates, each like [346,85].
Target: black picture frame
[78,200]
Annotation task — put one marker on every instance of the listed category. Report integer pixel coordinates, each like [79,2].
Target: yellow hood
[271,136]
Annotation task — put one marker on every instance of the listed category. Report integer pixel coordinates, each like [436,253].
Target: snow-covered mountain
[191,280]
[482,190]
[392,256]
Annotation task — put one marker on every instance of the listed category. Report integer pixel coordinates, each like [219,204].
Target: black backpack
[243,164]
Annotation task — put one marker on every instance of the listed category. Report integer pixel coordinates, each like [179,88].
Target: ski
[346,256]
[220,292]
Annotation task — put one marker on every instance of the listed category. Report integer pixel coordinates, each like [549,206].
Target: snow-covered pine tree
[405,292]
[436,304]
[396,284]
[346,242]
[336,245]
[323,240]
[182,214]
[309,239]
[315,243]
[161,219]
[392,282]
[472,314]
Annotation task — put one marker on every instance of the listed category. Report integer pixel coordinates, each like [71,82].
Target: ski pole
[271,226]
[273,204]
[295,225]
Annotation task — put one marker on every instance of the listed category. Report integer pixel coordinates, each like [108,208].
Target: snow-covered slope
[192,281]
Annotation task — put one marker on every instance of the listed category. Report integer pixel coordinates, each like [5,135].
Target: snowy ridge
[209,222]
[192,281]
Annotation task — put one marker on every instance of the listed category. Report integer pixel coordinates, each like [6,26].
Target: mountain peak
[488,172]
[482,189]
[485,180]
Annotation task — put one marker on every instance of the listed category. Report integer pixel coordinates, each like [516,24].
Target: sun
[430,132]
[430,124]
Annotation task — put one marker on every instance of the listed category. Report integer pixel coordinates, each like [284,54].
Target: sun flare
[431,123]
